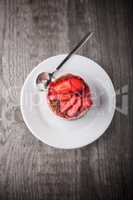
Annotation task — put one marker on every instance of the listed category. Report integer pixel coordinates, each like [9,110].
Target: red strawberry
[86,92]
[86,102]
[65,105]
[73,110]
[64,97]
[77,83]
[63,87]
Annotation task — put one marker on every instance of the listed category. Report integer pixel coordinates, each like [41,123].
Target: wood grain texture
[30,31]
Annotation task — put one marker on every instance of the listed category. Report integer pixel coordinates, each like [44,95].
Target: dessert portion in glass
[69,97]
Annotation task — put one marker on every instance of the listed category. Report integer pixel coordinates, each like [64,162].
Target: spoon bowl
[42,81]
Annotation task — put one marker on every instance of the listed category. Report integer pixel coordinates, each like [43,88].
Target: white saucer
[60,133]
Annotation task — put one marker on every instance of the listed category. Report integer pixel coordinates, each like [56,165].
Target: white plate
[60,133]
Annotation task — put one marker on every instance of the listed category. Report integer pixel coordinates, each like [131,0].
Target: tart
[69,97]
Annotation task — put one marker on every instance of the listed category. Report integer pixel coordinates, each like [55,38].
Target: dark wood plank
[30,31]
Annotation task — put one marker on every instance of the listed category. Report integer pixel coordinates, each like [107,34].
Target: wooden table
[30,31]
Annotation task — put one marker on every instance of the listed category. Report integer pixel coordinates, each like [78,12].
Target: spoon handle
[77,47]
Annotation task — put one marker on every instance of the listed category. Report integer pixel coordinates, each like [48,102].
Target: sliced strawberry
[86,102]
[86,92]
[64,97]
[65,105]
[63,87]
[74,109]
[77,84]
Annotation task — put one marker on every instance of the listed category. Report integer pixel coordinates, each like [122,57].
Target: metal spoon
[45,78]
